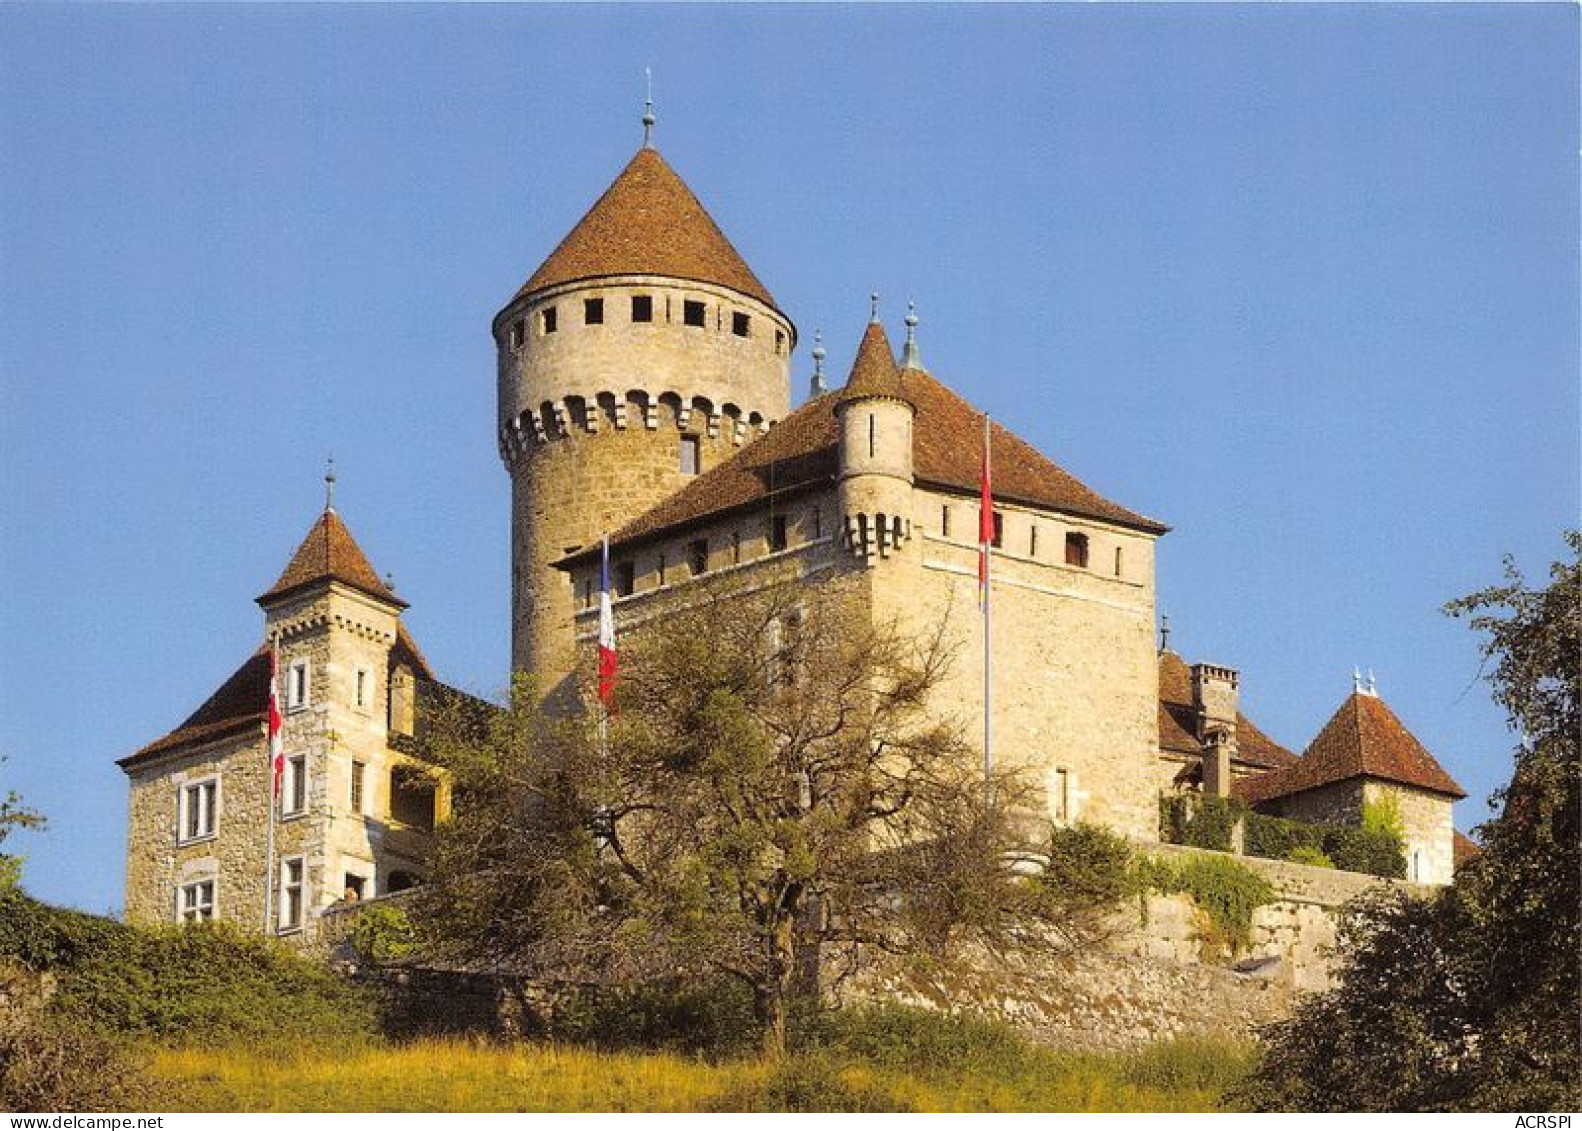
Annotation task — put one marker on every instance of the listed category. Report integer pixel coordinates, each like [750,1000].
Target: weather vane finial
[819,385]
[873,307]
[648,109]
[329,483]
[910,358]
[1164,633]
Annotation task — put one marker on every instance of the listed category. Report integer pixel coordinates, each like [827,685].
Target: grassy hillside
[460,1076]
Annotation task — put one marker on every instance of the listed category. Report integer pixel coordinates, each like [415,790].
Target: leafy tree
[771,794]
[14,817]
[1470,999]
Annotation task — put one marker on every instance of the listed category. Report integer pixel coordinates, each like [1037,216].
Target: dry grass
[451,1075]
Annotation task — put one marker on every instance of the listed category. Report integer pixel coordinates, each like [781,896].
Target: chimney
[403,700]
[1214,696]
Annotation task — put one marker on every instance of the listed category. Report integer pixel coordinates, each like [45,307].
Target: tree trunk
[770,995]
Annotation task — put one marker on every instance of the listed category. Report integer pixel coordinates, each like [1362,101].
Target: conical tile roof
[648,222]
[1362,739]
[873,371]
[330,553]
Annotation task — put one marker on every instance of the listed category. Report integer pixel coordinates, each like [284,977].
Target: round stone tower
[875,415]
[640,354]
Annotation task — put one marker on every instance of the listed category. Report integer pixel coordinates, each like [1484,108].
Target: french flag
[985,519]
[607,662]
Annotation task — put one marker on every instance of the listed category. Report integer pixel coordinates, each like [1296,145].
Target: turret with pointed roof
[641,352]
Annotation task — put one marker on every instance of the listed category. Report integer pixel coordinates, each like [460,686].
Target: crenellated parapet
[635,409]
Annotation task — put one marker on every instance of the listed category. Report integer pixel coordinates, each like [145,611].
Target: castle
[644,389]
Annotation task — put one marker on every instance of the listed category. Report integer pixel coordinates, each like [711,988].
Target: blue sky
[1300,281]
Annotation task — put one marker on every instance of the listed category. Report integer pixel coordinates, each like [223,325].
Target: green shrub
[1382,816]
[1306,854]
[901,1036]
[201,982]
[712,1017]
[1376,848]
[381,932]
[1199,820]
[1089,866]
[1275,838]
[1223,888]
[1378,853]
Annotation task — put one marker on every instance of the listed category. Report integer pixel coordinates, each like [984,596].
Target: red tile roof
[873,371]
[1362,739]
[1178,721]
[1463,850]
[648,222]
[800,453]
[330,553]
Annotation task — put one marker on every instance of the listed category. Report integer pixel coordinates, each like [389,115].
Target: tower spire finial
[873,307]
[1164,633]
[648,109]
[910,358]
[819,385]
[329,483]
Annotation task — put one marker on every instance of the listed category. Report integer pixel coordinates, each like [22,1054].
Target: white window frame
[187,792]
[363,688]
[190,906]
[294,781]
[299,689]
[291,895]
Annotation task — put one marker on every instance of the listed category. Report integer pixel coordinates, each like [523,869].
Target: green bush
[203,982]
[1200,820]
[1313,857]
[1089,866]
[1223,888]
[382,932]
[1375,848]
[1378,853]
[712,1017]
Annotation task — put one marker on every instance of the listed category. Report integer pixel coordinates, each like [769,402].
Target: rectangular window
[359,777]
[297,685]
[196,902]
[1077,550]
[548,319]
[661,569]
[362,689]
[1032,541]
[693,313]
[593,312]
[1060,795]
[780,342]
[292,876]
[294,789]
[698,556]
[1117,561]
[198,817]
[736,548]
[999,530]
[625,579]
[691,455]
[944,520]
[818,523]
[871,427]
[355,890]
[777,532]
[587,592]
[741,324]
[642,308]
[518,333]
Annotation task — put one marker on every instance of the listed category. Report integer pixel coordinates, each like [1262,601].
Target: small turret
[875,416]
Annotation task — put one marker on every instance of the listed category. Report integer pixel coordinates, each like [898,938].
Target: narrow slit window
[818,523]
[691,455]
[777,532]
[661,569]
[359,780]
[549,319]
[1117,561]
[1077,550]
[872,435]
[593,312]
[642,308]
[1032,541]
[780,342]
[999,530]
[736,548]
[518,333]
[944,520]
[741,324]
[693,313]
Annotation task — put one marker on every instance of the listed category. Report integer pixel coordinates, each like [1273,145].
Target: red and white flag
[985,519]
[607,659]
[277,753]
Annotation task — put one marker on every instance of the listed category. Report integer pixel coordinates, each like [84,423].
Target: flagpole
[986,532]
[269,794]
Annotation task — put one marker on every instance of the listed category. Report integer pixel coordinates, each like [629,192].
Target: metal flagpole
[269,792]
[986,532]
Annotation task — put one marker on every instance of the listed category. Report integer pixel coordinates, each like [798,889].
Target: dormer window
[693,313]
[642,308]
[547,319]
[1077,550]
[741,324]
